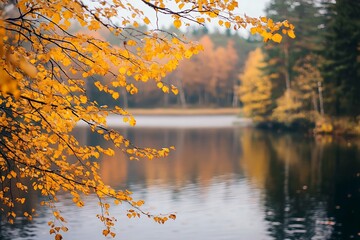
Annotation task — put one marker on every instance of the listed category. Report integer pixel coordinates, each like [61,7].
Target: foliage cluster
[45,70]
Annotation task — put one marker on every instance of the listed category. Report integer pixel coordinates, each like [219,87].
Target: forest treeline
[299,82]
[314,79]
[207,79]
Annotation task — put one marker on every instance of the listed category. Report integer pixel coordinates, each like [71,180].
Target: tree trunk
[287,70]
[314,100]
[206,98]
[321,100]
[166,99]
[181,94]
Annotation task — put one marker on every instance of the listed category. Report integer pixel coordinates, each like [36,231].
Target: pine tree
[282,59]
[341,69]
[278,66]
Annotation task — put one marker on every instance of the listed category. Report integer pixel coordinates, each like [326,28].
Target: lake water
[223,182]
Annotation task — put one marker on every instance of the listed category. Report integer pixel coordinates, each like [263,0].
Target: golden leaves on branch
[269,30]
[224,13]
[46,70]
[14,65]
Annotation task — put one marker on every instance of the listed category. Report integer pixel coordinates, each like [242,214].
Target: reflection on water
[226,183]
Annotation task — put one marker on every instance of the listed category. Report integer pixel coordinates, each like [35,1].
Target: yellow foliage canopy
[46,63]
[255,89]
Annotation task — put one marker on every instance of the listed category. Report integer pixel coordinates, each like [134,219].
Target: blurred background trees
[208,79]
[309,78]
[317,76]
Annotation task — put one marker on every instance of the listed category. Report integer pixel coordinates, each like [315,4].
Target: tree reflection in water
[309,187]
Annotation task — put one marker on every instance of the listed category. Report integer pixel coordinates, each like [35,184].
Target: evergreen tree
[277,56]
[282,59]
[341,69]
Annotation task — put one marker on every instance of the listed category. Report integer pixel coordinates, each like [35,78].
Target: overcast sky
[253,8]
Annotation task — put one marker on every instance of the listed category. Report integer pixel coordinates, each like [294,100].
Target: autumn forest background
[298,83]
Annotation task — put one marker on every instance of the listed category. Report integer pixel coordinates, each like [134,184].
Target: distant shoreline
[179,119]
[184,111]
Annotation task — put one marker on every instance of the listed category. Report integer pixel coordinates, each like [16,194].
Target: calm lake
[223,182]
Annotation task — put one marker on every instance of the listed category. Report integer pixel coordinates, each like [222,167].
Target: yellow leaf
[200,20]
[165,89]
[177,23]
[56,18]
[13,174]
[188,53]
[115,95]
[227,24]
[159,84]
[175,91]
[291,33]
[67,14]
[131,43]
[122,70]
[146,20]
[213,14]
[83,99]
[140,203]
[132,122]
[253,30]
[276,38]
[270,23]
[94,25]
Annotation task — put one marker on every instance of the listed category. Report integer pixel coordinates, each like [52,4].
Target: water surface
[223,183]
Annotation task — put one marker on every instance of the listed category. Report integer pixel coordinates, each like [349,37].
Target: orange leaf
[58,237]
[146,20]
